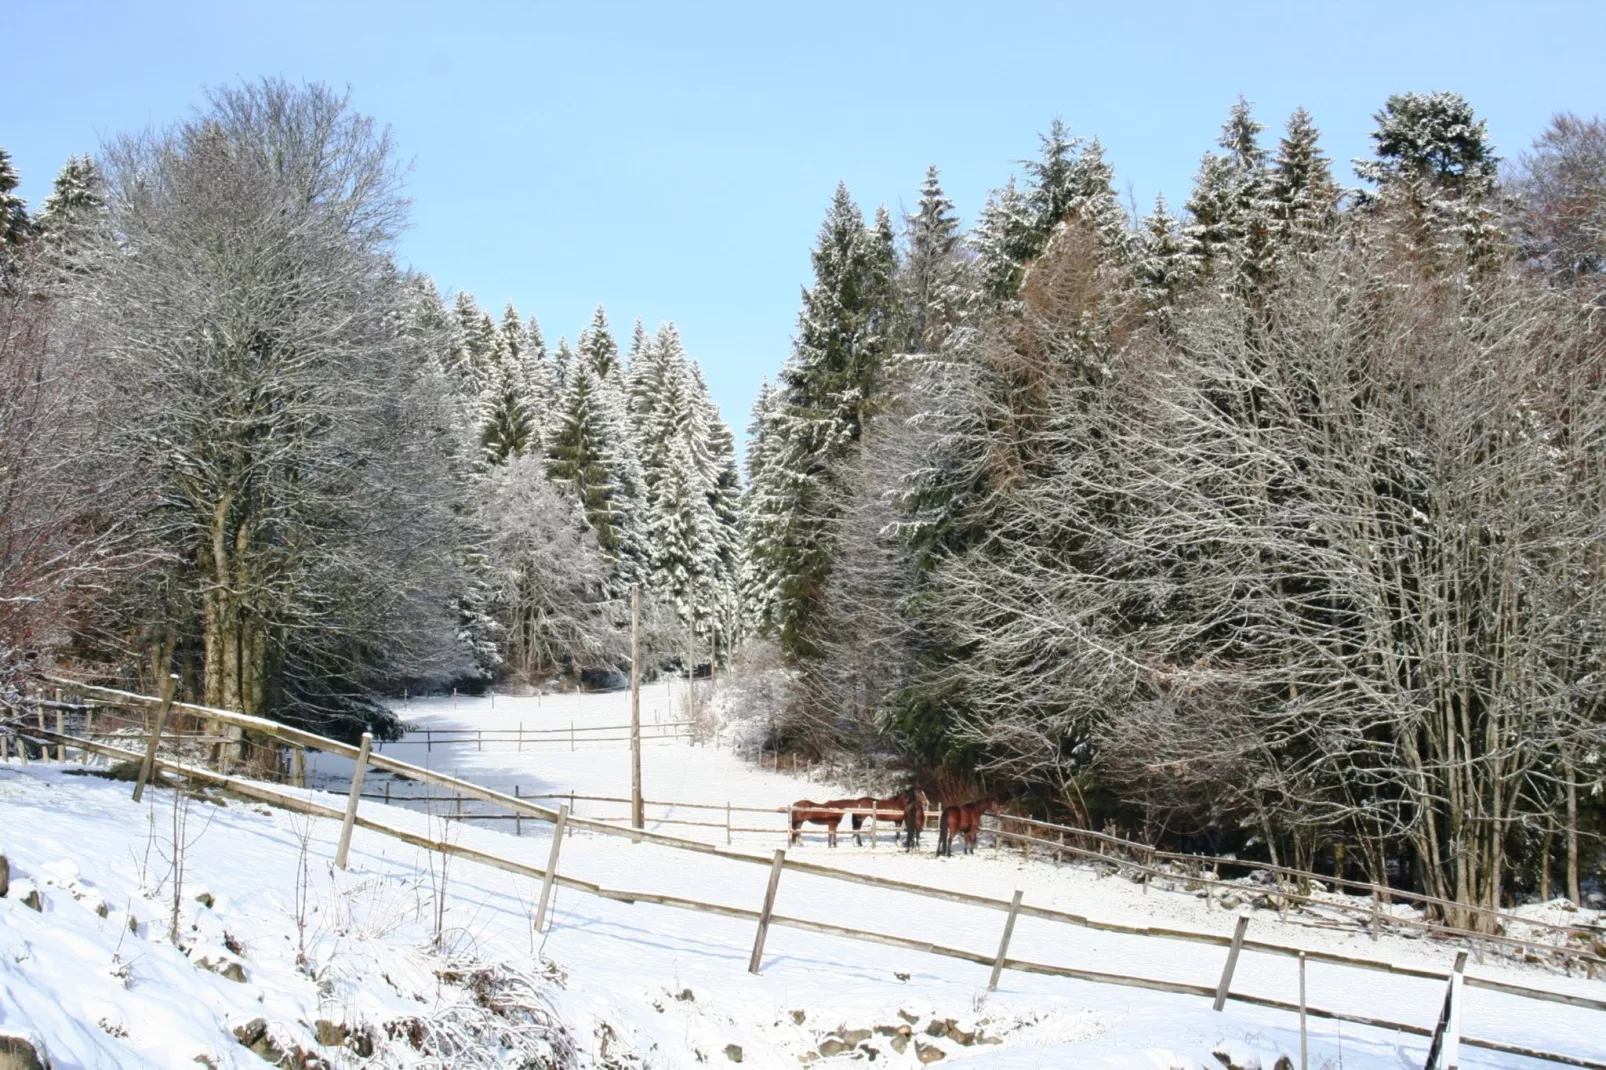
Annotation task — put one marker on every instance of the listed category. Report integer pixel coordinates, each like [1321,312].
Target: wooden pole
[1452,1036]
[1304,1053]
[61,725]
[636,815]
[1003,945]
[551,869]
[149,764]
[351,803]
[764,915]
[727,824]
[1445,1050]
[1377,910]
[1232,961]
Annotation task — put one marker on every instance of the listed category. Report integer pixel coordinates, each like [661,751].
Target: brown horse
[963,821]
[914,816]
[892,810]
[829,814]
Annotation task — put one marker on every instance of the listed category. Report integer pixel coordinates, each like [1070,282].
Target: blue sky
[673,161]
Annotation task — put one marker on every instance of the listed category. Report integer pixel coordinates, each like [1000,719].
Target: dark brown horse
[914,816]
[963,821]
[829,814]
[893,810]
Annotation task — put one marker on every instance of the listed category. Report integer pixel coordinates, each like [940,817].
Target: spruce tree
[1002,242]
[931,274]
[562,364]
[1055,184]
[1095,203]
[78,191]
[597,346]
[828,391]
[73,222]
[1436,167]
[15,228]
[473,345]
[583,456]
[507,422]
[1230,231]
[535,378]
[1161,268]
[765,506]
[1303,193]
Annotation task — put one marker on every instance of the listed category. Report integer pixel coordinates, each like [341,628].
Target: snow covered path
[626,964]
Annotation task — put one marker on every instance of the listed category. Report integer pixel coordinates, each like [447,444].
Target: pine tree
[535,378]
[15,228]
[1002,242]
[931,274]
[722,486]
[597,346]
[505,415]
[78,191]
[765,504]
[473,346]
[1095,203]
[1303,193]
[1055,184]
[646,379]
[583,456]
[828,390]
[1230,232]
[562,364]
[1435,165]
[73,222]
[1162,268]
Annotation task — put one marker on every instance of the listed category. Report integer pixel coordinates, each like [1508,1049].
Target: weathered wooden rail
[296,737]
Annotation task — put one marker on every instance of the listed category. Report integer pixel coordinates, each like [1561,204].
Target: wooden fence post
[551,874]
[1445,1051]
[1377,910]
[1003,945]
[61,728]
[148,766]
[764,915]
[351,803]
[518,816]
[1304,1061]
[1232,961]
[727,824]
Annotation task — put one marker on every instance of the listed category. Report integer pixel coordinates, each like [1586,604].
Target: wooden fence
[1141,864]
[764,918]
[1139,861]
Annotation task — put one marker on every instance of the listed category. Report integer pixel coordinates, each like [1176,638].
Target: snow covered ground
[641,985]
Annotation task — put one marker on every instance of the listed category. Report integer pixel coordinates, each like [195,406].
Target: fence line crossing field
[703,775]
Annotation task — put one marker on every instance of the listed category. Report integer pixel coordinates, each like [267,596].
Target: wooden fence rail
[301,738]
[277,797]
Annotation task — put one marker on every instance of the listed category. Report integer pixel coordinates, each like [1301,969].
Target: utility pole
[635,708]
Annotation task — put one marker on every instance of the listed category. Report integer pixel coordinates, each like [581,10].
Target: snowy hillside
[399,952]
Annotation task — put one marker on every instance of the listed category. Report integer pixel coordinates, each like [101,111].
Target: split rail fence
[1445,1036]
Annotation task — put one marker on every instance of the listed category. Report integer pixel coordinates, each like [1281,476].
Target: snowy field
[641,985]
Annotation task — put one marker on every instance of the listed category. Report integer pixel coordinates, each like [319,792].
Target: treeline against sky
[238,443]
[1278,517]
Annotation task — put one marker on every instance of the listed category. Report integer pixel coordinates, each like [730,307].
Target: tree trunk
[1573,892]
